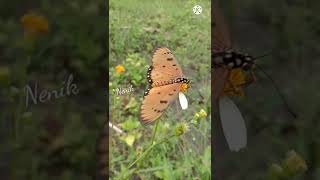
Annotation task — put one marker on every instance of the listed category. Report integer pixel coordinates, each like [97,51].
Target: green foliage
[136,29]
[55,139]
[288,30]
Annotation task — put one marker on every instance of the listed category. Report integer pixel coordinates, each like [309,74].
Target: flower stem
[154,132]
[152,145]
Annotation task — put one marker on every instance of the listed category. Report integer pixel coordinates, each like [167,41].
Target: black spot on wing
[158,111]
[163,102]
[169,59]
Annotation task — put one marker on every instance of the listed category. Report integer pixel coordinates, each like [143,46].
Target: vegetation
[287,29]
[43,43]
[136,29]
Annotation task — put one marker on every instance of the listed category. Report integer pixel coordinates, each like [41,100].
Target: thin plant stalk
[152,145]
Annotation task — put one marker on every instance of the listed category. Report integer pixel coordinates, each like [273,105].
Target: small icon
[197,9]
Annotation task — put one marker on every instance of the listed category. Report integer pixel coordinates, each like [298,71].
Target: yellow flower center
[234,83]
[184,87]
[181,129]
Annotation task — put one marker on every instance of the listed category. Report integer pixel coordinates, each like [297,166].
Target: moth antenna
[294,115]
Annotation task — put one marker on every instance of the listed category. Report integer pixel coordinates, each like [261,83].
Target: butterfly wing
[221,41]
[164,67]
[220,76]
[157,100]
[221,36]
[233,124]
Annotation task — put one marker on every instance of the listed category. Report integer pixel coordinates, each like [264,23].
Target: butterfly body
[233,59]
[166,81]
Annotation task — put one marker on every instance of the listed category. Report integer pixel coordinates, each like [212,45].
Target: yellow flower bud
[184,87]
[181,129]
[203,113]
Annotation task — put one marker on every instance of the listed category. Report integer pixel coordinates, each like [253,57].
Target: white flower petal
[233,124]
[183,101]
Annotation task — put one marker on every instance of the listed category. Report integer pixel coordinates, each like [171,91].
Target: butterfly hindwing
[157,100]
[220,76]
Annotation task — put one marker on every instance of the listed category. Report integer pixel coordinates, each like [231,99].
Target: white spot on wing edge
[183,101]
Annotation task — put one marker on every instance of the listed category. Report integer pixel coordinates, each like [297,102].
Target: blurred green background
[43,42]
[57,139]
[137,28]
[290,29]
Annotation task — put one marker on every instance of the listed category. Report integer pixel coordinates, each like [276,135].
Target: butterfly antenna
[264,55]
[278,91]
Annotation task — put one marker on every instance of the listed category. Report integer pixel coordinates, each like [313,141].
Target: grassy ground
[136,29]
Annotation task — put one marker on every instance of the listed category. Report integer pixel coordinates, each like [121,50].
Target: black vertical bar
[102,147]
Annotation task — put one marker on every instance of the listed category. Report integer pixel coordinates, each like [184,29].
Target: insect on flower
[166,83]
[230,76]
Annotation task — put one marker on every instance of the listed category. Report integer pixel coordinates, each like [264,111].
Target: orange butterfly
[166,82]
[229,79]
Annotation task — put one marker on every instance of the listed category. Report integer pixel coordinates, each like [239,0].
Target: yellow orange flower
[184,87]
[34,24]
[233,86]
[120,69]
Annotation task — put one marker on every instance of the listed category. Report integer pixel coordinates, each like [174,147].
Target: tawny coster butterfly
[229,64]
[166,83]
[225,61]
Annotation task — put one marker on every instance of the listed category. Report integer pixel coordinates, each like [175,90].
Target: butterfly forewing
[221,36]
[157,100]
[165,67]
[221,41]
